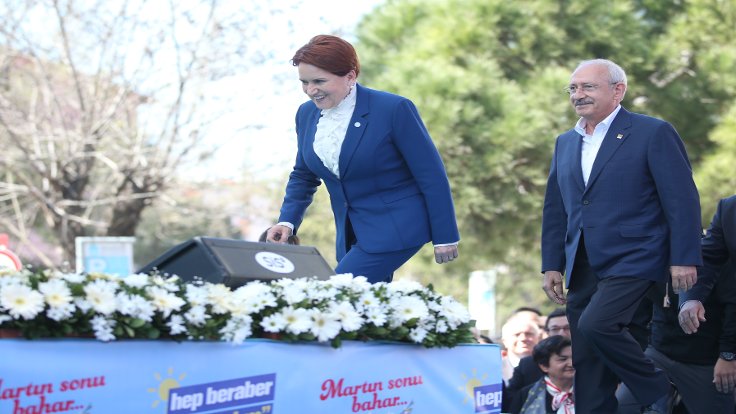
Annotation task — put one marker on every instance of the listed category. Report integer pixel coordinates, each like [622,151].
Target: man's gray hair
[615,73]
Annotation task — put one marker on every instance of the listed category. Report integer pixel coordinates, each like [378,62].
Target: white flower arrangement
[55,304]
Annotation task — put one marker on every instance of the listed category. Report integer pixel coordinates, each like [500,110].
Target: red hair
[329,53]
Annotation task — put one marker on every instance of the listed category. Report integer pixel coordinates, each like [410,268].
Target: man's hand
[445,254]
[691,314]
[724,376]
[683,277]
[553,287]
[278,234]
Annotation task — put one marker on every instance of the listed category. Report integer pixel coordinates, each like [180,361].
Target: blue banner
[80,376]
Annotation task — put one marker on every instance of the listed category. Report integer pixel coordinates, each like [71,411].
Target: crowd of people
[538,372]
[621,238]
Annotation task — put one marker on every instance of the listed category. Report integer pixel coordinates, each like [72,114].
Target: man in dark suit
[719,246]
[717,272]
[700,363]
[620,211]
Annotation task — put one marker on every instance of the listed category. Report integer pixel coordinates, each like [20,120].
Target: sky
[258,135]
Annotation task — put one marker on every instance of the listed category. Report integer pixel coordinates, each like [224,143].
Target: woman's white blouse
[331,130]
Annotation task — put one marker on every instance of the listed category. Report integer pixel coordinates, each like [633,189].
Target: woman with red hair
[388,186]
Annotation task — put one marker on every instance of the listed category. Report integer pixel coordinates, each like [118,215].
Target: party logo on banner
[487,398]
[240,392]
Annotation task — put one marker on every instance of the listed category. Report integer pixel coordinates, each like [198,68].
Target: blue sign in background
[82,376]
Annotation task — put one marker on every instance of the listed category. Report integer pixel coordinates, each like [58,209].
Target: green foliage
[715,178]
[690,75]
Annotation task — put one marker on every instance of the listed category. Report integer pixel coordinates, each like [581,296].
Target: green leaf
[336,342]
[136,323]
[153,333]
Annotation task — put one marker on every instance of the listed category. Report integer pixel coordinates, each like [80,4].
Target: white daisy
[455,312]
[103,328]
[322,293]
[100,294]
[219,297]
[73,277]
[409,307]
[138,280]
[418,334]
[376,316]
[294,294]
[237,329]
[441,326]
[341,280]
[367,300]
[325,326]
[297,320]
[405,286]
[176,325]
[56,293]
[197,315]
[21,301]
[350,320]
[274,323]
[135,305]
[164,301]
[196,295]
[60,313]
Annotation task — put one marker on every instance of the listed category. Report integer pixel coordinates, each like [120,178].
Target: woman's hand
[445,254]
[278,234]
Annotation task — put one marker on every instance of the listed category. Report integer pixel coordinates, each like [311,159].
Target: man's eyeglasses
[586,87]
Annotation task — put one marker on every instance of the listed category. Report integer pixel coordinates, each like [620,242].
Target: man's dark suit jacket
[719,245]
[716,334]
[640,210]
[715,277]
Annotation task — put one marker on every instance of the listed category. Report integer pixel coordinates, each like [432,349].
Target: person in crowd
[553,392]
[388,187]
[518,335]
[698,361]
[621,211]
[528,371]
[715,284]
[719,247]
[533,314]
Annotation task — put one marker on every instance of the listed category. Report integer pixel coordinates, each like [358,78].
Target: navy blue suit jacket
[393,187]
[640,211]
[719,246]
